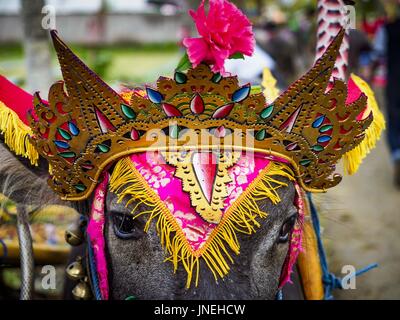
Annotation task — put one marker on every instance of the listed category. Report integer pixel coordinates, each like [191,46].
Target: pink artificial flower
[224,31]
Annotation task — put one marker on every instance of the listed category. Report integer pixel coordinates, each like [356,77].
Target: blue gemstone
[323,139]
[241,94]
[61,144]
[318,122]
[154,96]
[73,128]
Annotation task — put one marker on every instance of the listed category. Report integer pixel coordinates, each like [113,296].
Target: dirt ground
[361,220]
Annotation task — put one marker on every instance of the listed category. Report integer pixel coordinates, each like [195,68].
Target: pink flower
[224,31]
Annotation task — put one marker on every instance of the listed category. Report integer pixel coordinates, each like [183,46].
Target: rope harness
[329,279]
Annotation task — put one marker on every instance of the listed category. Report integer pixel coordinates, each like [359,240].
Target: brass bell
[82,291]
[75,270]
[74,236]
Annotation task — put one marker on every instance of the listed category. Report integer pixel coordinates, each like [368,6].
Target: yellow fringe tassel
[241,217]
[353,158]
[271,91]
[16,134]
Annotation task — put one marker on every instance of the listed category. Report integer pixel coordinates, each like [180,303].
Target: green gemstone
[325,128]
[318,148]
[180,77]
[305,162]
[260,135]
[174,132]
[64,134]
[216,78]
[67,154]
[103,148]
[80,187]
[266,113]
[128,112]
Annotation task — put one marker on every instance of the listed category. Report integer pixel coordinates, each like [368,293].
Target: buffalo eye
[125,226]
[286,229]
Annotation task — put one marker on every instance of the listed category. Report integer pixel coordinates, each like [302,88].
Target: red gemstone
[171,111]
[223,111]
[288,125]
[197,104]
[220,132]
[135,135]
[59,107]
[291,146]
[87,166]
[104,124]
[205,168]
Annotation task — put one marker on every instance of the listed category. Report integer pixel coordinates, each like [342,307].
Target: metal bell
[82,291]
[74,236]
[75,270]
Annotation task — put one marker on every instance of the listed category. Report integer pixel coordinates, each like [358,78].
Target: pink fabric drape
[95,230]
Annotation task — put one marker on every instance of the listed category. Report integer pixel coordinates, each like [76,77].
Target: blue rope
[329,279]
[5,250]
[279,295]
[93,271]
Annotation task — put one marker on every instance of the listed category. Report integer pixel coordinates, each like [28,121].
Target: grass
[132,63]
[13,51]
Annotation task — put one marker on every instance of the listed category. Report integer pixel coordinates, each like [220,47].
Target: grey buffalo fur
[136,266]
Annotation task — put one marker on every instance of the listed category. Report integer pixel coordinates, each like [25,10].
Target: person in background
[280,45]
[387,46]
[371,27]
[359,52]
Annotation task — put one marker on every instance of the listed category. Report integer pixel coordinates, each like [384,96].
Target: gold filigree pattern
[205,177]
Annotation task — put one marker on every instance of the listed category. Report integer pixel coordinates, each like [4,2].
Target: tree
[36,47]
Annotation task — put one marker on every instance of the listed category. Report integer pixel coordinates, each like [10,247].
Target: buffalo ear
[23,183]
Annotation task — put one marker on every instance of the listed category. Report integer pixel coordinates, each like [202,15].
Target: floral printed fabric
[160,177]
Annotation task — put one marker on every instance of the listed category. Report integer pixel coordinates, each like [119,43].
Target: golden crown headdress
[85,129]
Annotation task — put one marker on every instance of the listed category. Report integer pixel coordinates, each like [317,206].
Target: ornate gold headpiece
[82,132]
